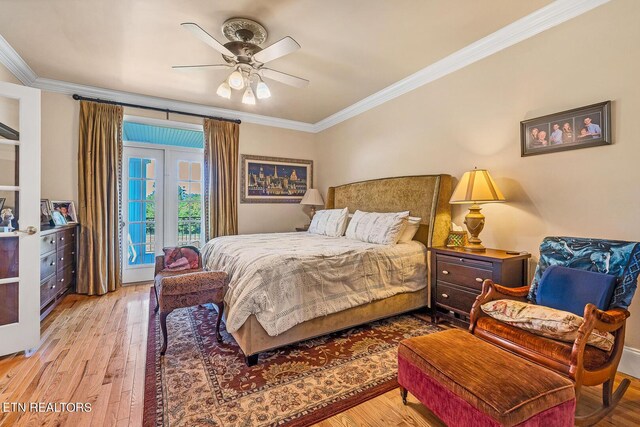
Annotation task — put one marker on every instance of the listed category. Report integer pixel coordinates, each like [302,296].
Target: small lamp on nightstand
[476,187]
[312,198]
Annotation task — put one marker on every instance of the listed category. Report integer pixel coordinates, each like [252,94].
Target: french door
[20,212]
[162,205]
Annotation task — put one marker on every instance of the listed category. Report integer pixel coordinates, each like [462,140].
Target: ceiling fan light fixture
[236,80]
[224,90]
[262,90]
[248,97]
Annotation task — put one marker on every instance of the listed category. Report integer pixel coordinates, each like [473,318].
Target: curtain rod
[145,107]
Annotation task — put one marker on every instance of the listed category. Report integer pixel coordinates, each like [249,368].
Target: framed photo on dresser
[274,179]
[66,208]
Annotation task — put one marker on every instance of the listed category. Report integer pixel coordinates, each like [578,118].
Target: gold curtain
[99,165]
[221,140]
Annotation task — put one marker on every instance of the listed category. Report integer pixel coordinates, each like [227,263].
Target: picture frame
[583,127]
[58,218]
[2,200]
[67,208]
[274,179]
[45,212]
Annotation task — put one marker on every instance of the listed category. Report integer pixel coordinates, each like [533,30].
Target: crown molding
[14,63]
[535,23]
[164,103]
[541,20]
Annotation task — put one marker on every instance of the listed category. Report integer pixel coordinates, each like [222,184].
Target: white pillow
[374,227]
[329,222]
[410,229]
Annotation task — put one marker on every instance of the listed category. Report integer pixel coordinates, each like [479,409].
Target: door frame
[170,206]
[24,335]
[141,273]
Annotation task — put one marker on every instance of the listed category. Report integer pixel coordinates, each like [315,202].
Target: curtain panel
[220,178]
[99,176]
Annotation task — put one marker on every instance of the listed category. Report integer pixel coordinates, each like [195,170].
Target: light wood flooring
[93,350]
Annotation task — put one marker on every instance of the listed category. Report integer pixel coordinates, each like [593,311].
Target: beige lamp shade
[312,197]
[476,186]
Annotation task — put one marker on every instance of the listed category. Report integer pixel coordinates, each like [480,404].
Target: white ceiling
[350,48]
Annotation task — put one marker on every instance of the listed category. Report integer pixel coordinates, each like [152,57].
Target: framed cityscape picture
[274,179]
[582,127]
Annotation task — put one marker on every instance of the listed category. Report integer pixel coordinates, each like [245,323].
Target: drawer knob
[73,253]
[445,296]
[52,242]
[62,238]
[53,286]
[445,272]
[478,279]
[61,280]
[62,259]
[52,263]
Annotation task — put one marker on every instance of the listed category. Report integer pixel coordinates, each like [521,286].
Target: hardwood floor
[93,350]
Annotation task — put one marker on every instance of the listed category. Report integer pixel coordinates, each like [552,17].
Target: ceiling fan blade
[197,31]
[201,67]
[280,48]
[285,78]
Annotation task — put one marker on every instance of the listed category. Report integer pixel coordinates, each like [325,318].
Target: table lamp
[476,187]
[312,198]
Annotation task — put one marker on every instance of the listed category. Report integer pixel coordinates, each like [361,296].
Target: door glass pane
[196,171]
[190,203]
[9,164]
[9,212]
[183,171]
[142,215]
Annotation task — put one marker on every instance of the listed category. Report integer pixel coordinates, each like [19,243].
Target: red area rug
[202,383]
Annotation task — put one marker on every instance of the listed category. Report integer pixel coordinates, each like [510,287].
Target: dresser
[457,276]
[58,253]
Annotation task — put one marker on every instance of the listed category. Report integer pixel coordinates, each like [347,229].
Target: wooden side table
[457,276]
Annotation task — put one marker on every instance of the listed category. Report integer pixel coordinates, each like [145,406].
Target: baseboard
[630,363]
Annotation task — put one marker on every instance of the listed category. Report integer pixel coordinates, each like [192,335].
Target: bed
[288,287]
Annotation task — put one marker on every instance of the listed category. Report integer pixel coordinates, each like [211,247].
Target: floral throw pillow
[545,321]
[182,258]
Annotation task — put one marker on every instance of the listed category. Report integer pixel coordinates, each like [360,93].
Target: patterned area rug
[202,383]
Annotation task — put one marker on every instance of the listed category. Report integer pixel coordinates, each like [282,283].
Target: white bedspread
[288,278]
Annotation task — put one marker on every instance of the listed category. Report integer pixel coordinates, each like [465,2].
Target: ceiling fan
[243,54]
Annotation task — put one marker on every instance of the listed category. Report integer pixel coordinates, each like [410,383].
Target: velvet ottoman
[468,382]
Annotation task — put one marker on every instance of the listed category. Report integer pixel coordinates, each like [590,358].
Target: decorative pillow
[329,222]
[545,321]
[374,227]
[571,289]
[410,229]
[181,258]
[615,257]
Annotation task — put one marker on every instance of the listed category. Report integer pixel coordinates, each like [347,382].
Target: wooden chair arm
[605,321]
[491,292]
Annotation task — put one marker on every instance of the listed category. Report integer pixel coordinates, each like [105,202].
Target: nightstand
[457,276]
[302,228]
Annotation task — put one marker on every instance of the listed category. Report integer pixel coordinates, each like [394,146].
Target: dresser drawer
[48,265]
[64,279]
[47,243]
[66,237]
[66,256]
[48,290]
[454,297]
[467,273]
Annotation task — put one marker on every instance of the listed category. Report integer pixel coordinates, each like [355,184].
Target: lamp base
[474,221]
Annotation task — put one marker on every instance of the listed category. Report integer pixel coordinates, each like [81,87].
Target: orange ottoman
[466,381]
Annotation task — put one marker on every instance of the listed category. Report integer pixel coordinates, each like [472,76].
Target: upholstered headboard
[425,196]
